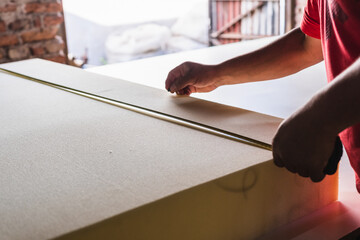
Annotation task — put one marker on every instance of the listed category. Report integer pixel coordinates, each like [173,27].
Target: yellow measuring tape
[152,113]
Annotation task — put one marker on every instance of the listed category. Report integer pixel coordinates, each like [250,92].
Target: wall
[258,18]
[30,28]
[298,11]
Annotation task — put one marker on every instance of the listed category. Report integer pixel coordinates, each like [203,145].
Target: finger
[276,156]
[291,168]
[277,160]
[303,172]
[178,78]
[201,89]
[192,89]
[332,164]
[317,176]
[176,72]
[187,91]
[180,92]
[179,84]
[184,91]
[282,163]
[170,78]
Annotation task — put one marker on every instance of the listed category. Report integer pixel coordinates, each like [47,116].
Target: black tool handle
[334,159]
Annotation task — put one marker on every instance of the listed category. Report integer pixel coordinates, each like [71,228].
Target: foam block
[75,168]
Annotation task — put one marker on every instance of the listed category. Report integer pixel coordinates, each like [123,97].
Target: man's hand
[304,142]
[303,145]
[191,77]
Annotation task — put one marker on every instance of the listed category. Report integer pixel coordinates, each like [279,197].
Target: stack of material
[76,168]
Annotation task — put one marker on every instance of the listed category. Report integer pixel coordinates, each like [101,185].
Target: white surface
[123,12]
[278,98]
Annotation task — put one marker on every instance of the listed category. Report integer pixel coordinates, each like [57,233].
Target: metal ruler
[152,113]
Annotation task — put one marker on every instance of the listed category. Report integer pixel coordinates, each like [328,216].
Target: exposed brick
[58,59]
[36,7]
[37,22]
[8,40]
[20,24]
[2,26]
[54,46]
[8,8]
[37,35]
[51,20]
[8,17]
[29,28]
[20,52]
[25,1]
[2,53]
[37,50]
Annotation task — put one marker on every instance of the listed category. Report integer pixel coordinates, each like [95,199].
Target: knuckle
[185,68]
[317,177]
[303,173]
[291,169]
[278,163]
[277,159]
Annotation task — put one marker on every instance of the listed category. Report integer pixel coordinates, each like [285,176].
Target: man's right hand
[287,55]
[190,77]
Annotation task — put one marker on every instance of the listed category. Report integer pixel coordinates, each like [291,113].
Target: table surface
[280,98]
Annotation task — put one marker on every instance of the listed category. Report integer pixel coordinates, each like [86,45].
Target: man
[330,30]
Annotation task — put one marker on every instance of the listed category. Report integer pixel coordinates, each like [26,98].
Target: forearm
[289,54]
[337,106]
[305,141]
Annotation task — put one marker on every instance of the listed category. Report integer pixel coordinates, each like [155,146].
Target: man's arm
[304,141]
[287,55]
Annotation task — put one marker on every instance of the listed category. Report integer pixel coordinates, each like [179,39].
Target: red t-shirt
[337,24]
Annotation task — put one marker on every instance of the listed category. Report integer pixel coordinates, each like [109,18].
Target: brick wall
[31,28]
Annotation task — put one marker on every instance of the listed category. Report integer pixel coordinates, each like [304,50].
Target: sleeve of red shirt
[310,24]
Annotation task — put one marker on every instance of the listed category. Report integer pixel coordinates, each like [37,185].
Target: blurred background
[88,33]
